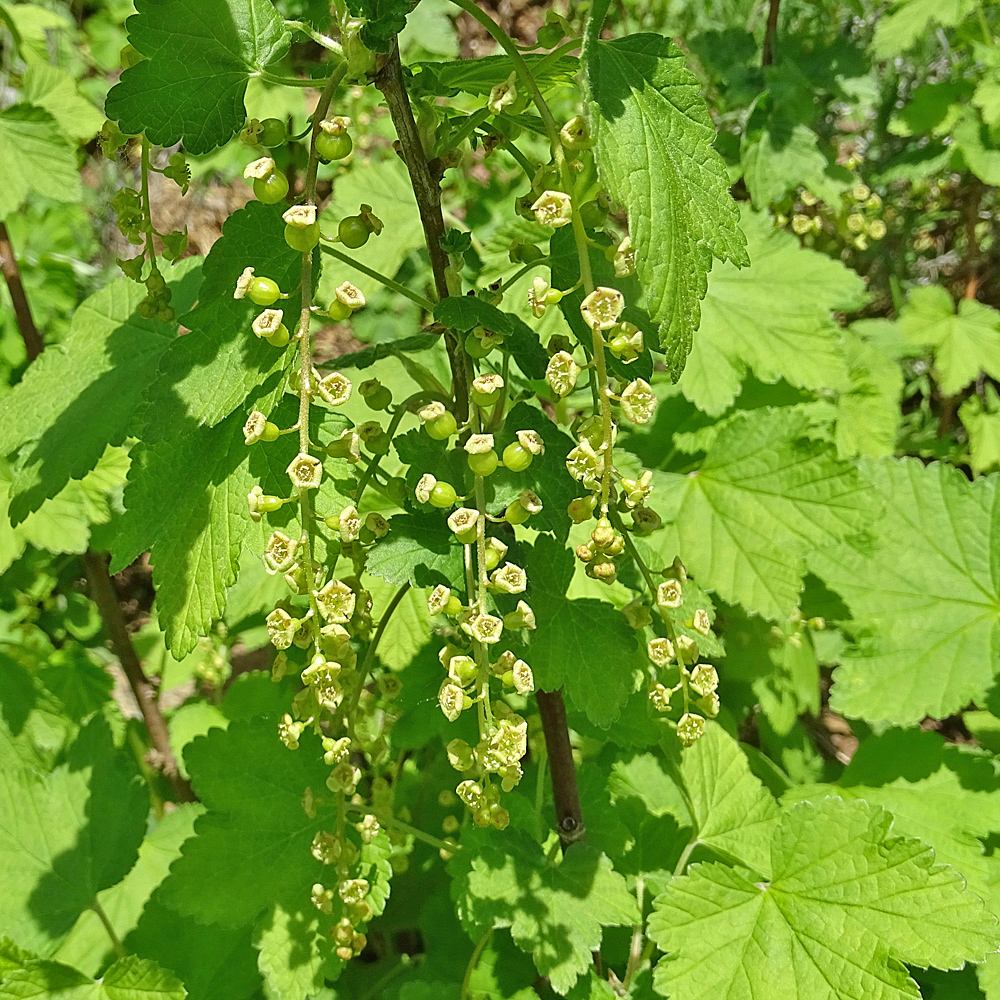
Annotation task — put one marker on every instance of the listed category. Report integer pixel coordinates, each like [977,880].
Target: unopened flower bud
[687,649]
[637,614]
[710,705]
[603,570]
[460,755]
[624,259]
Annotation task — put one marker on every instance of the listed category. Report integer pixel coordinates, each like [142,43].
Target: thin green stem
[290,81]
[685,857]
[473,962]
[144,181]
[318,37]
[523,271]
[635,950]
[394,286]
[984,25]
[372,649]
[116,942]
[305,351]
[522,161]
[397,824]
[550,57]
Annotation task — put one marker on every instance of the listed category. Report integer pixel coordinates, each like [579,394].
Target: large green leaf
[130,978]
[964,343]
[252,845]
[772,318]
[912,20]
[765,496]
[582,643]
[782,158]
[55,90]
[555,912]
[199,58]
[846,905]
[946,795]
[654,148]
[924,589]
[35,158]
[66,836]
[82,395]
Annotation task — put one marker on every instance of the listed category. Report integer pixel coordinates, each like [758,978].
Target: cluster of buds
[599,553]
[697,682]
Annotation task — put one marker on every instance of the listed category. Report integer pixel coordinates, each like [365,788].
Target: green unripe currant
[333,147]
[353,232]
[508,678]
[593,215]
[475,348]
[147,308]
[395,490]
[366,536]
[270,190]
[468,536]
[484,464]
[581,509]
[492,558]
[484,398]
[380,444]
[332,522]
[263,291]
[443,495]
[379,399]
[515,513]
[273,132]
[280,337]
[338,311]
[516,457]
[155,283]
[441,428]
[302,238]
[270,504]
[165,315]
[454,606]
[270,432]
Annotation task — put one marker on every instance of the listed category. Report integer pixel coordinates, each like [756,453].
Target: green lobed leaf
[87,943]
[911,20]
[948,796]
[555,912]
[765,497]
[419,549]
[130,978]
[35,158]
[67,835]
[654,149]
[582,644]
[367,356]
[82,394]
[924,589]
[214,368]
[772,318]
[186,502]
[384,19]
[252,844]
[479,76]
[964,343]
[845,907]
[56,91]
[190,85]
[295,951]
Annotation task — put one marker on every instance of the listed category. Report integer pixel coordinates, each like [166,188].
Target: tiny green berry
[338,311]
[332,522]
[379,399]
[516,457]
[443,495]
[280,337]
[270,190]
[270,432]
[454,606]
[302,238]
[484,398]
[441,428]
[492,558]
[273,132]
[263,291]
[484,464]
[333,147]
[515,513]
[475,348]
[353,232]
[593,215]
[380,444]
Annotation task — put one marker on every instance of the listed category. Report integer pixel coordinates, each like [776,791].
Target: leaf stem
[290,81]
[474,962]
[116,942]
[682,861]
[319,38]
[394,286]
[635,950]
[33,344]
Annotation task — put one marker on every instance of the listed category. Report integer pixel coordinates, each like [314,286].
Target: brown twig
[569,815]
[770,34]
[22,311]
[427,191]
[103,592]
